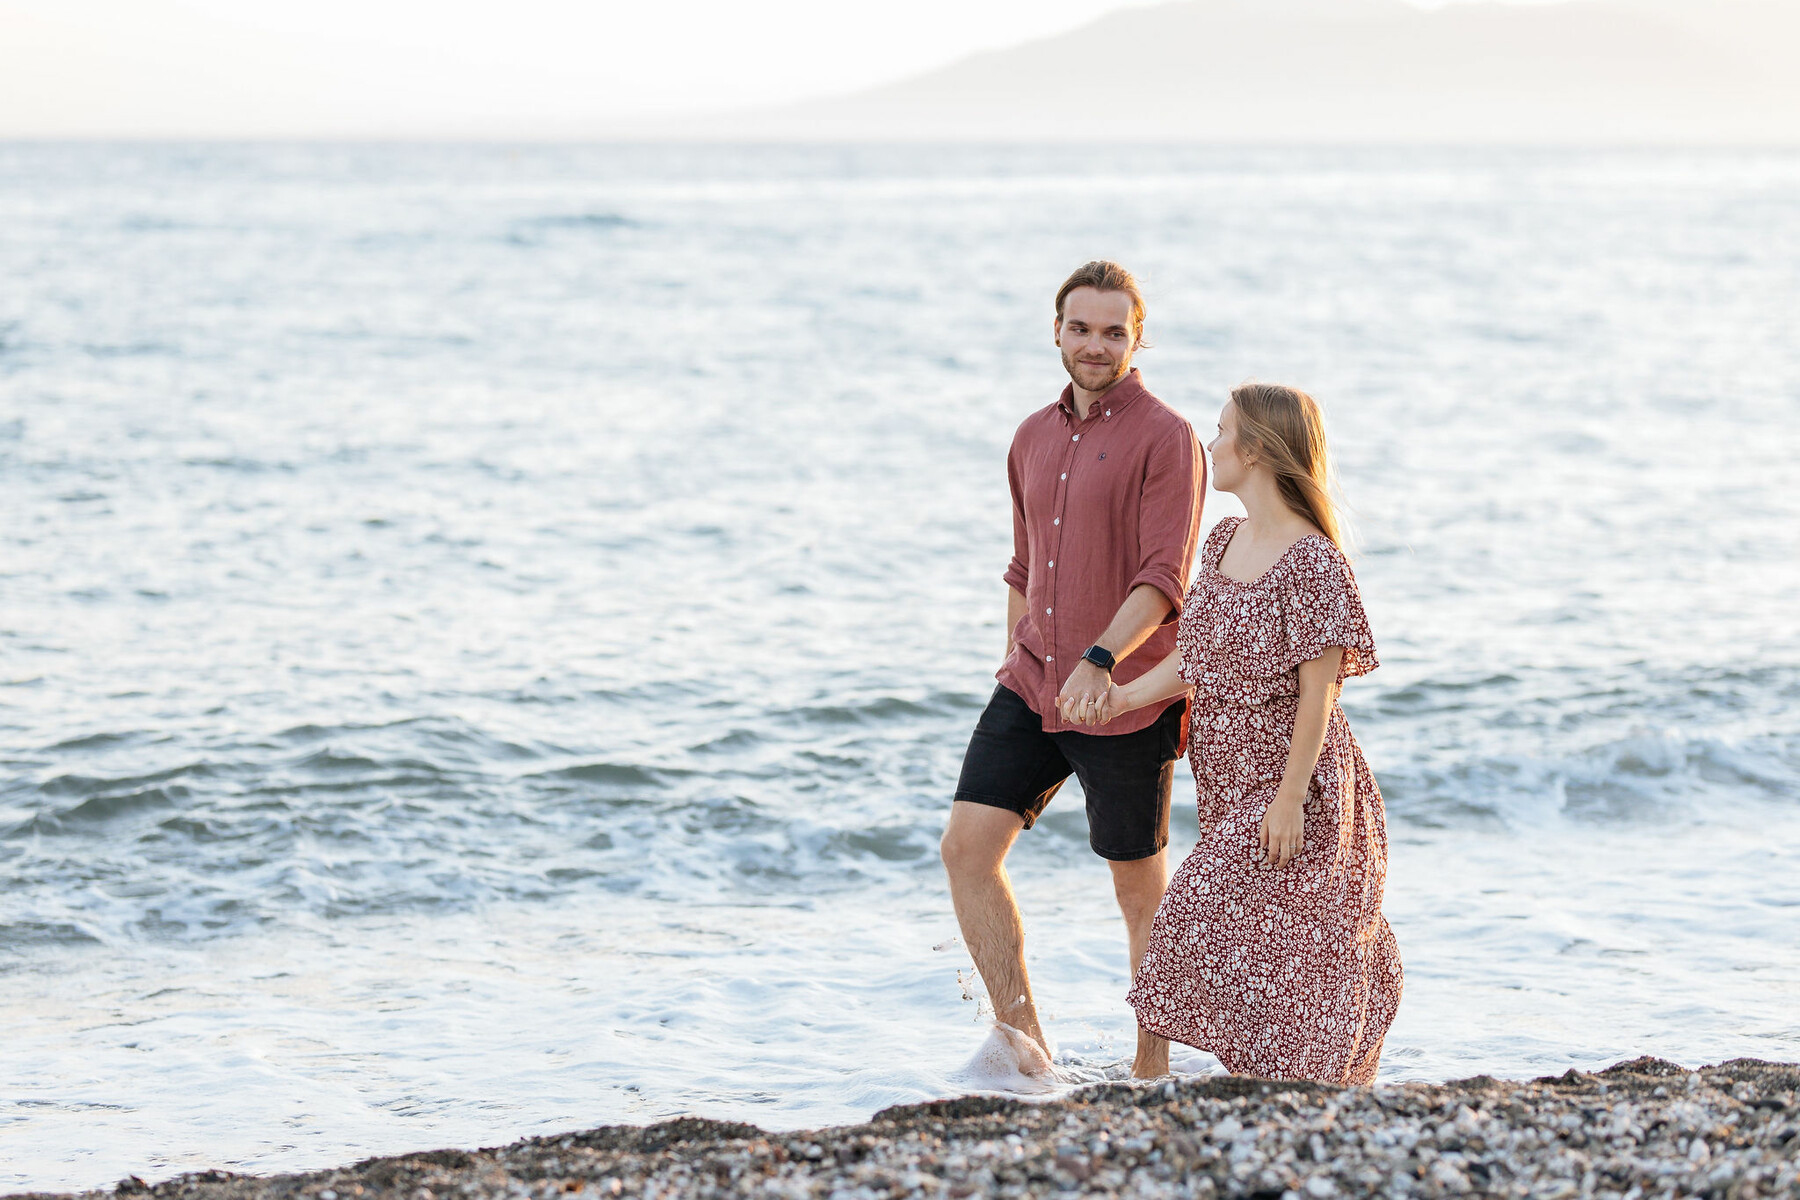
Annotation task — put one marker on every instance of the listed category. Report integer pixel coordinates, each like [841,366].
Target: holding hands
[1096,709]
[1090,697]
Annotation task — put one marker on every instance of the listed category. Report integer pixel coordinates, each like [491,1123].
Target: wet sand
[1645,1128]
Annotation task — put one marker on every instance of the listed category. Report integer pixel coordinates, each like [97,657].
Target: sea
[488,633]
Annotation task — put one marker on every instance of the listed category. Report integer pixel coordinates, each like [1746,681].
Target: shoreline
[1642,1128]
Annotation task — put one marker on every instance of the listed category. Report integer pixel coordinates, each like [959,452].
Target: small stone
[1321,1186]
[1449,1177]
[1699,1151]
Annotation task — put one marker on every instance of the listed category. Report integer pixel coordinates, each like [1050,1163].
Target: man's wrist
[1100,657]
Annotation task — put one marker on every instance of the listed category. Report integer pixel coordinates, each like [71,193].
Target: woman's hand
[1283,830]
[1103,708]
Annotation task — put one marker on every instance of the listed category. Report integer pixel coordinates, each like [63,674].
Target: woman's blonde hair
[1283,428]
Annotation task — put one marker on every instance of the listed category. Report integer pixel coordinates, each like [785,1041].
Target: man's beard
[1119,370]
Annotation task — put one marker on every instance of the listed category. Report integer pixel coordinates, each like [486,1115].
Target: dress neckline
[1268,570]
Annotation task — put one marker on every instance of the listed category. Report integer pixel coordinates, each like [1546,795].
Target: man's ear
[1056,331]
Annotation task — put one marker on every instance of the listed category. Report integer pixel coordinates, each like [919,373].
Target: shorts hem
[987,801]
[1128,855]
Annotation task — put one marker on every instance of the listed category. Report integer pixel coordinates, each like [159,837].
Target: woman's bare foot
[1152,1060]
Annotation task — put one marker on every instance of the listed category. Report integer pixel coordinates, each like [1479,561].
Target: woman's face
[1228,467]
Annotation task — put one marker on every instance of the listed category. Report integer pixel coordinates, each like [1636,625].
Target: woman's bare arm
[1283,825]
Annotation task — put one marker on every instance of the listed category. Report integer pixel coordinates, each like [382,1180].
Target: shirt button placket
[1061,508]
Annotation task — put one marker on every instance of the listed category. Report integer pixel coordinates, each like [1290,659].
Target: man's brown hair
[1105,276]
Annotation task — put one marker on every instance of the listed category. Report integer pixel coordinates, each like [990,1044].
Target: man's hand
[1082,694]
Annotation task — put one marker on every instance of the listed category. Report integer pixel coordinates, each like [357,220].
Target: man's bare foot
[1034,1058]
[1010,1061]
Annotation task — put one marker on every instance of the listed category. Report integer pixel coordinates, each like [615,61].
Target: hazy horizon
[407,68]
[806,69]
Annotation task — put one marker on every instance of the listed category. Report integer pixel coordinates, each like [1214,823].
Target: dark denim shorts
[1013,764]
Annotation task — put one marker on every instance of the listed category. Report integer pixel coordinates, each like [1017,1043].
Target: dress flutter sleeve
[1323,608]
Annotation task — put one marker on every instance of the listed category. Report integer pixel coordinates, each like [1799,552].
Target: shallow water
[487,634]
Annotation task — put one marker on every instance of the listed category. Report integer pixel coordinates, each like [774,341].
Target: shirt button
[1109,412]
[1065,474]
[1049,658]
[1058,521]
[1076,438]
[1048,611]
[1053,564]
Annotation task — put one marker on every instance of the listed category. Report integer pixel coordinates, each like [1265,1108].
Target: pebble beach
[1644,1128]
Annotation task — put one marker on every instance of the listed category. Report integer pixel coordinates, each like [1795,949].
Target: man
[1106,492]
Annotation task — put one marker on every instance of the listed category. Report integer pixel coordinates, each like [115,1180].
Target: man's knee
[977,838]
[967,852]
[1139,885]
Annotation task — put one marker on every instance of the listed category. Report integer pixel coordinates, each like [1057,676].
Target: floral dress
[1288,973]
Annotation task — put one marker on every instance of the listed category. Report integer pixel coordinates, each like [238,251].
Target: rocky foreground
[1641,1129]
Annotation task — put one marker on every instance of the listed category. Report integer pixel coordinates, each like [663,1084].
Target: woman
[1269,949]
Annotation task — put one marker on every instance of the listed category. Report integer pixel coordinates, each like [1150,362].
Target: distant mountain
[1666,72]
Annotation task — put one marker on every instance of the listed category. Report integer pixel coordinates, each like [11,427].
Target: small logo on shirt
[1102,457]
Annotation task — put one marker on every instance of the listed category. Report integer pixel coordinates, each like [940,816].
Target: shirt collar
[1113,401]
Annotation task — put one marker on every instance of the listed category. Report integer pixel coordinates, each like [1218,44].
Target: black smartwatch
[1101,657]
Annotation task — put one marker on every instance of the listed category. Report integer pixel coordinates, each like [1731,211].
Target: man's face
[1096,338]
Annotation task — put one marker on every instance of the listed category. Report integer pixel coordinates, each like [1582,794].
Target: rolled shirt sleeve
[1018,575]
[1169,516]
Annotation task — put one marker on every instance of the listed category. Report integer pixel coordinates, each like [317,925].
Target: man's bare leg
[1139,887]
[974,849]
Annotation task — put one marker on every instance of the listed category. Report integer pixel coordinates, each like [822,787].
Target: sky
[75,67]
[409,63]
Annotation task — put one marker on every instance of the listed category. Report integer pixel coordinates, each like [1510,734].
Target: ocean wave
[882,710]
[532,231]
[1642,779]
[25,935]
[609,774]
[95,741]
[588,220]
[348,838]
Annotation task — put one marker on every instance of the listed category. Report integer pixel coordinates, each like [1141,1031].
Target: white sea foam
[1009,1061]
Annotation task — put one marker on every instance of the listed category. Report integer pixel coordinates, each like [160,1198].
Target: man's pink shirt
[1099,507]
